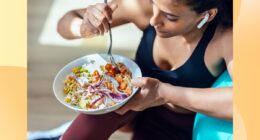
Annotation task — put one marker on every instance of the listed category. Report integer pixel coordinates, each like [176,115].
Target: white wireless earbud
[204,20]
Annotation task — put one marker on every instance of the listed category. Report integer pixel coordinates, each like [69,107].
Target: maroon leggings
[97,127]
[151,124]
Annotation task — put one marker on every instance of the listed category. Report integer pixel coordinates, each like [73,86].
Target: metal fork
[110,45]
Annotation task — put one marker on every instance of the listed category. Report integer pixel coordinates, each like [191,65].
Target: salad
[91,89]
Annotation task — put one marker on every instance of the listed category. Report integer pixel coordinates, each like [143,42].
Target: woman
[186,45]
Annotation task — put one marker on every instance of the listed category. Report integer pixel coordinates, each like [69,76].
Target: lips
[163,34]
[160,31]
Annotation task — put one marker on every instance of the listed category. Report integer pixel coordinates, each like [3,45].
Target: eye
[171,18]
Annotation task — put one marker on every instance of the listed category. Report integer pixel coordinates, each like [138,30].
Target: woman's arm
[216,102]
[93,20]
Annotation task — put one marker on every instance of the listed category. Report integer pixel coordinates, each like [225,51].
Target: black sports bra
[193,73]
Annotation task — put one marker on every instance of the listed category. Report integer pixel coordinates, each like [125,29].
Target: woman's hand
[96,19]
[149,95]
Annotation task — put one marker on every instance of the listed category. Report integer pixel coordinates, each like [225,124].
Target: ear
[207,16]
[212,13]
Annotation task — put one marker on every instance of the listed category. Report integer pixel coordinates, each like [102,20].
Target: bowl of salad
[92,85]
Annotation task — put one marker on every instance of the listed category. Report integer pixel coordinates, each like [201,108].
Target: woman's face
[171,18]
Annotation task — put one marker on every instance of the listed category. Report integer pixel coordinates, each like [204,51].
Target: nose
[156,20]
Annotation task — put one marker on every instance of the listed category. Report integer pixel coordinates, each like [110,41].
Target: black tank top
[193,73]
[160,123]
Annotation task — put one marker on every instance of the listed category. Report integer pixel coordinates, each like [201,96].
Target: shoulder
[227,43]
[220,52]
[226,46]
[224,41]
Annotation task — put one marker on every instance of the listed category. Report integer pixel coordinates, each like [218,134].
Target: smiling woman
[185,47]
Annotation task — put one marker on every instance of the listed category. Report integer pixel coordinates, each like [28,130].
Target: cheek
[175,28]
[180,27]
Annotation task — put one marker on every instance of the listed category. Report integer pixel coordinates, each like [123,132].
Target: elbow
[221,109]
[61,29]
[63,26]
[225,114]
[228,111]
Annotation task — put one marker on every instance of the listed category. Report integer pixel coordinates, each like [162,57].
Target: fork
[110,45]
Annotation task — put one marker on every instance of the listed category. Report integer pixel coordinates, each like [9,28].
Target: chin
[164,34]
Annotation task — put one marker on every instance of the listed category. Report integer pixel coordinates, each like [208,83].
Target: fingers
[129,106]
[113,6]
[97,18]
[140,82]
[104,17]
[106,11]
[134,104]
[87,29]
[122,110]
[145,82]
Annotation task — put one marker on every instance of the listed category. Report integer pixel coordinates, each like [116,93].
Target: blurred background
[48,53]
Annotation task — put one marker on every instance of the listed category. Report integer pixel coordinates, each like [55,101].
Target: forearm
[216,102]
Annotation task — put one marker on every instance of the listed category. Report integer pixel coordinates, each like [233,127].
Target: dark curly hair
[225,9]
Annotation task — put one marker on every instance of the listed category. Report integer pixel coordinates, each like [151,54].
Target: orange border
[13,73]
[246,71]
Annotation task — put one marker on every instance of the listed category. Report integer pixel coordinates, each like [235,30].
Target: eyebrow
[166,13]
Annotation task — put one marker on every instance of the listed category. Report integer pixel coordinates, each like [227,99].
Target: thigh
[96,127]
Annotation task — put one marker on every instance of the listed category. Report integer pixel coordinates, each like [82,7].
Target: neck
[194,35]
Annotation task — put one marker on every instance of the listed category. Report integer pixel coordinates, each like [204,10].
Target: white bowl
[58,83]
